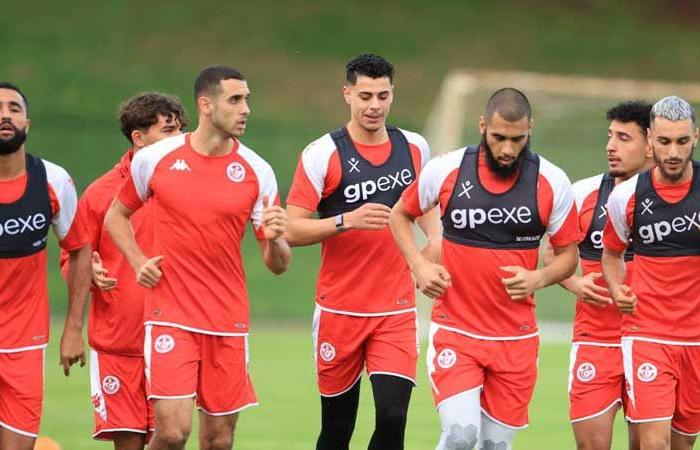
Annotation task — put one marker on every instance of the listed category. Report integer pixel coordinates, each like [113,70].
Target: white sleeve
[617,207]
[563,195]
[420,142]
[433,176]
[267,184]
[314,160]
[67,197]
[144,163]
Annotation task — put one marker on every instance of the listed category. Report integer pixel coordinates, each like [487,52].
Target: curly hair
[141,112]
[369,65]
[636,111]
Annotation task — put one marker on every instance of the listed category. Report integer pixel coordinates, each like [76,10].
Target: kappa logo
[180,165]
[647,372]
[235,172]
[19,225]
[646,207]
[586,372]
[447,358]
[466,187]
[164,343]
[603,212]
[327,352]
[363,190]
[353,165]
[110,384]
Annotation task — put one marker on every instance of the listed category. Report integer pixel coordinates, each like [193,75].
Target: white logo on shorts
[647,372]
[586,372]
[164,343]
[327,352]
[235,172]
[447,358]
[110,384]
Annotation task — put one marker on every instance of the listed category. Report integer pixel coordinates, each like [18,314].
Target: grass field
[288,415]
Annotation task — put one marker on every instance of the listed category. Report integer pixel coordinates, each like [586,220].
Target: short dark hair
[13,87]
[209,78]
[141,111]
[636,111]
[369,65]
[509,103]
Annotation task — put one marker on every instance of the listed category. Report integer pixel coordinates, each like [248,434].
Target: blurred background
[76,61]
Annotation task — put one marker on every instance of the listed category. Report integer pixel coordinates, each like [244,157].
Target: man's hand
[72,348]
[432,279]
[99,274]
[274,221]
[149,274]
[586,289]
[370,216]
[624,298]
[523,283]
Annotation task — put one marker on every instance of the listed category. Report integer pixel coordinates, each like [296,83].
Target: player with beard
[596,377]
[497,201]
[34,194]
[202,188]
[115,328]
[658,210]
[365,313]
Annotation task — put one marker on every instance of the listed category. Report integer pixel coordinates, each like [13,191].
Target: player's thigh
[339,350]
[118,394]
[509,381]
[172,358]
[21,393]
[225,386]
[9,440]
[455,363]
[596,381]
[651,378]
[216,431]
[595,433]
[392,347]
[686,419]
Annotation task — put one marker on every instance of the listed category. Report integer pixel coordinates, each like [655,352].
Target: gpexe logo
[361,191]
[472,217]
[657,231]
[18,225]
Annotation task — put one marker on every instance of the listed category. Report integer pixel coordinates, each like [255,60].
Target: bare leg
[173,424]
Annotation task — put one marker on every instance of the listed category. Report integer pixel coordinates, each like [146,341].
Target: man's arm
[275,250]
[614,271]
[72,348]
[433,279]
[432,228]
[583,287]
[304,229]
[118,226]
[525,282]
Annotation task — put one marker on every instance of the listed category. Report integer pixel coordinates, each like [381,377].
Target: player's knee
[459,437]
[594,442]
[656,442]
[219,441]
[391,416]
[172,437]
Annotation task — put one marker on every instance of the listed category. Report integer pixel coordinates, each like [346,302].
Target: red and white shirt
[362,272]
[199,208]
[24,298]
[116,316]
[594,324]
[477,303]
[668,300]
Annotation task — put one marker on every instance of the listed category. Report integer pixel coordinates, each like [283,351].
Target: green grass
[288,415]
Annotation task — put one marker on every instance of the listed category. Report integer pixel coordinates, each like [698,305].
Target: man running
[658,210]
[203,188]
[596,375]
[115,329]
[365,313]
[497,201]
[34,194]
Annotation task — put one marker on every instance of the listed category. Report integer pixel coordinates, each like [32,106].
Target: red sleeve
[128,196]
[411,201]
[569,232]
[611,239]
[302,192]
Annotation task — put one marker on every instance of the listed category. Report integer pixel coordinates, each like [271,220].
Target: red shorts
[118,394]
[596,380]
[504,370]
[22,391]
[344,344]
[663,383]
[214,369]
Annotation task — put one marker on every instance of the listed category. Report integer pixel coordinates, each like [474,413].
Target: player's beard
[673,176]
[496,167]
[11,145]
